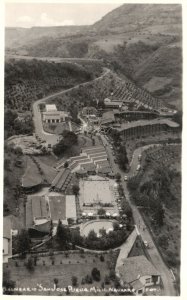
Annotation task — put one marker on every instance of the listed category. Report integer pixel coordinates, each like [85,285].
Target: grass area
[48,172]
[49,160]
[55,128]
[62,267]
[32,174]
[12,175]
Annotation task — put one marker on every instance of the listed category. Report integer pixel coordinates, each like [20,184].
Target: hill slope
[140,41]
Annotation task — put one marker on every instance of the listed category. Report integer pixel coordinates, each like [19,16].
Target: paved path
[54,59]
[125,248]
[155,256]
[49,138]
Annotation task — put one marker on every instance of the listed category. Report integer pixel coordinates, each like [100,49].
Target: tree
[62,234]
[122,157]
[101,211]
[112,275]
[75,189]
[74,280]
[23,241]
[96,274]
[102,258]
[69,139]
[116,226]
[92,236]
[30,264]
[107,279]
[56,281]
[7,164]
[118,177]
[88,279]
[66,165]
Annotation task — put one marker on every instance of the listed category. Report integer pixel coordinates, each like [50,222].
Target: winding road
[52,139]
[166,275]
[48,138]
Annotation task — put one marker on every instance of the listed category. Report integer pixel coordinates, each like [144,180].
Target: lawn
[65,266]
[49,172]
[32,175]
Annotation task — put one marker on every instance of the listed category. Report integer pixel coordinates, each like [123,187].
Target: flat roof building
[50,107]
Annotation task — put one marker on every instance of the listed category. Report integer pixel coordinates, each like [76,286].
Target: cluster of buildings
[92,160]
[140,274]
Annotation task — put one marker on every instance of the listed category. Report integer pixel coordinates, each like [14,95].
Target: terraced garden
[63,267]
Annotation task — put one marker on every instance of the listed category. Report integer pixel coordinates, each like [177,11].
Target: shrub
[30,264]
[74,280]
[112,275]
[88,279]
[102,258]
[107,280]
[96,274]
[56,281]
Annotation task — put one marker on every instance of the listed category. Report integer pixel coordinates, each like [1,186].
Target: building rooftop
[50,107]
[98,158]
[70,207]
[86,149]
[108,117]
[136,266]
[88,167]
[94,151]
[39,208]
[168,122]
[57,207]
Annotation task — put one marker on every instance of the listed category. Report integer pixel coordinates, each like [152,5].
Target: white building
[113,103]
[52,115]
[50,107]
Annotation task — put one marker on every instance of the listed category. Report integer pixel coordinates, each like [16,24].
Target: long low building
[52,115]
[89,160]
[53,206]
[61,180]
[147,127]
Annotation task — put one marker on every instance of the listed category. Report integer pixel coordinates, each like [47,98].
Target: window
[148,280]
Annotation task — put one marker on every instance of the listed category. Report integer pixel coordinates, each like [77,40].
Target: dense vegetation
[14,126]
[13,196]
[68,140]
[19,70]
[158,194]
[29,80]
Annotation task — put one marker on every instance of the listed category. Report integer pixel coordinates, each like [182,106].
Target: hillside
[140,41]
[151,18]
[16,37]
[29,80]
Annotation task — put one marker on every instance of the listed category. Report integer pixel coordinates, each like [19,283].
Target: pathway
[52,139]
[153,252]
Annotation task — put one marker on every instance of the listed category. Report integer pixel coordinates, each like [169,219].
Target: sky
[56,14]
